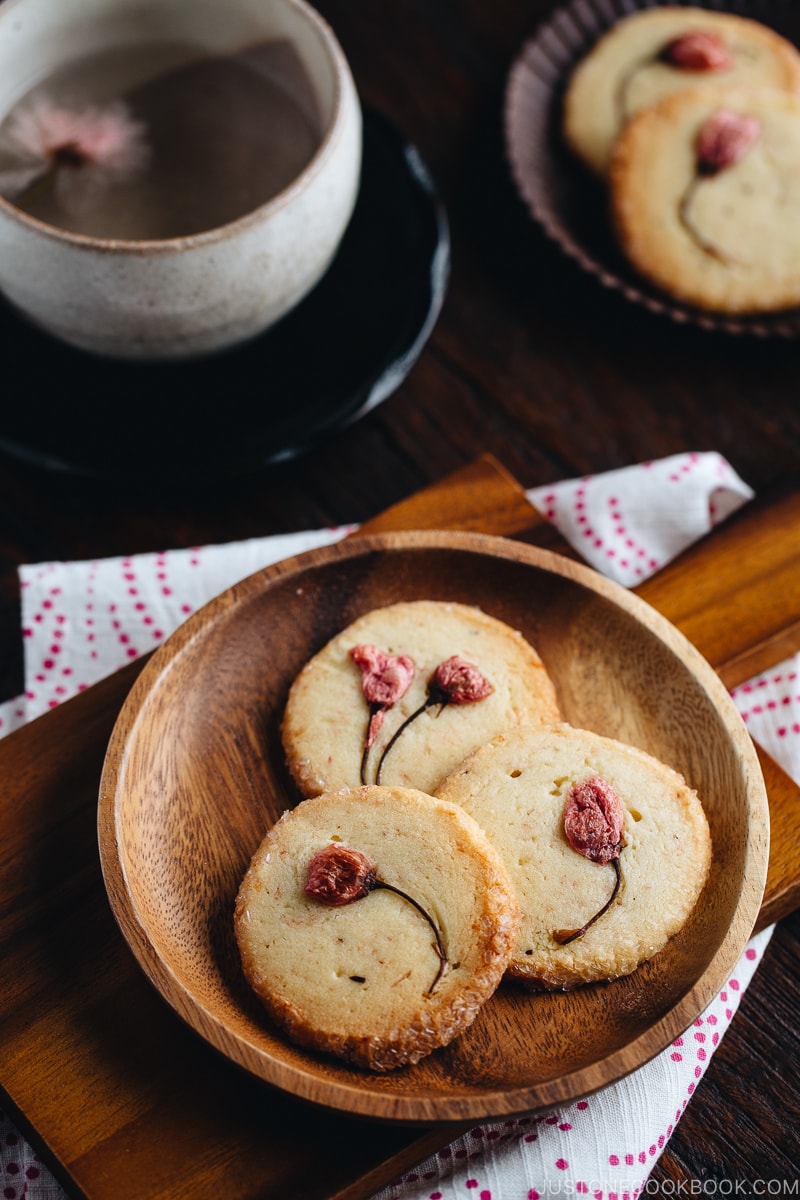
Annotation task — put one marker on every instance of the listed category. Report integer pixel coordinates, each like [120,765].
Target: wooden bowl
[194,775]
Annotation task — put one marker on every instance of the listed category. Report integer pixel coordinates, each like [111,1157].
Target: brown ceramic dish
[194,775]
[571,206]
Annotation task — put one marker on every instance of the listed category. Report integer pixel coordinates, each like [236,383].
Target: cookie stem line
[438,944]
[373,709]
[429,702]
[453,682]
[338,875]
[685,217]
[722,140]
[385,678]
[565,936]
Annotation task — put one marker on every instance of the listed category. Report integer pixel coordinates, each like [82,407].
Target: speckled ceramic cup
[189,295]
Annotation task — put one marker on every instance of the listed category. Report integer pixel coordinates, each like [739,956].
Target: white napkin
[629,523]
[84,620]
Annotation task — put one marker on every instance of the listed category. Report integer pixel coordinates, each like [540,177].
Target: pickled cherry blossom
[593,821]
[339,875]
[385,679]
[453,682]
[76,151]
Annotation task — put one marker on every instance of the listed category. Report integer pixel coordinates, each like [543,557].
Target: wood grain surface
[530,360]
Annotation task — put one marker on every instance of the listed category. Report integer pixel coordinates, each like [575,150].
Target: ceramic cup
[187,295]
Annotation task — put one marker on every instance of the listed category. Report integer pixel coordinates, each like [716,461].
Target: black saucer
[342,351]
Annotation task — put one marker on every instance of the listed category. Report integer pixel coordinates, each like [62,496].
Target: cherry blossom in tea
[159,142]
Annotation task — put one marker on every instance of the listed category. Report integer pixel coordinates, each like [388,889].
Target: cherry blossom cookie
[705,198]
[403,694]
[374,923]
[659,51]
[607,848]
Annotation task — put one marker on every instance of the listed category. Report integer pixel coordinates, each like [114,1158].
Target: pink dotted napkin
[631,522]
[84,620]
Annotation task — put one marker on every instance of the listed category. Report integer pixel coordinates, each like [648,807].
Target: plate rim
[406,1107]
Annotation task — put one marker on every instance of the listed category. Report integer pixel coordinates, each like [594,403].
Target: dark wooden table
[534,362]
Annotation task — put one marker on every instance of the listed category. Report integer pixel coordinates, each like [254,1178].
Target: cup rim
[129,246]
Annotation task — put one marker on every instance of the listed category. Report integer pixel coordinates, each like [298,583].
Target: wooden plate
[194,775]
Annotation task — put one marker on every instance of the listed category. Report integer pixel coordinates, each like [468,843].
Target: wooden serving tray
[107,1082]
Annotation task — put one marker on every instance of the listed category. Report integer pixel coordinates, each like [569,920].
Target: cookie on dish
[374,923]
[466,674]
[705,198]
[607,848]
[654,53]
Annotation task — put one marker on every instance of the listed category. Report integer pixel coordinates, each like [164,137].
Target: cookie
[354,968]
[705,198]
[652,54]
[583,822]
[328,718]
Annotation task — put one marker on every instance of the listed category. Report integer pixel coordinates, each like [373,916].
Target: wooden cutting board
[114,1091]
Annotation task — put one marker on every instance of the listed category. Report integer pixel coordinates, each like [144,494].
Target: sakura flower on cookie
[593,821]
[453,682]
[723,139]
[697,50]
[338,875]
[458,682]
[385,679]
[75,150]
